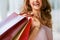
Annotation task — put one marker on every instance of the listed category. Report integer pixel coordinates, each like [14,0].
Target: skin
[36,5]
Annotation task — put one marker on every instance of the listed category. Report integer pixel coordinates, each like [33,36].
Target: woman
[39,11]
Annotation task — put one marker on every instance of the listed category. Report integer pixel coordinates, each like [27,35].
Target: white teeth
[36,4]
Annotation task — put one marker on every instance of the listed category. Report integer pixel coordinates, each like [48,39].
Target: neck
[36,11]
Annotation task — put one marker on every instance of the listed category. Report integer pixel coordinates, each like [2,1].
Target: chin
[37,8]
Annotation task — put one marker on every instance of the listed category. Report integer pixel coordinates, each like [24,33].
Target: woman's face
[36,4]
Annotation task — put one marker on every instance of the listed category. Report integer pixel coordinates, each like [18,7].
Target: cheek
[40,1]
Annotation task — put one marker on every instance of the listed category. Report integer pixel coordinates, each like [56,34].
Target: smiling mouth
[36,4]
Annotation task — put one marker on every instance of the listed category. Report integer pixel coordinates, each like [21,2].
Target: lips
[36,4]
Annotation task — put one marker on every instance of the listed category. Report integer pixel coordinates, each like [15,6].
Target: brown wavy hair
[45,12]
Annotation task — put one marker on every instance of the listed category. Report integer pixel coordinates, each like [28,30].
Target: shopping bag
[24,34]
[10,29]
[9,18]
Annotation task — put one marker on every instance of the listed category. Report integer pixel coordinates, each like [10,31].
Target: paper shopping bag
[10,29]
[24,34]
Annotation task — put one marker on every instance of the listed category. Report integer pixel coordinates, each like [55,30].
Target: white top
[45,33]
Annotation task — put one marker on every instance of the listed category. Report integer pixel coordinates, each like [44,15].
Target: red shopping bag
[25,34]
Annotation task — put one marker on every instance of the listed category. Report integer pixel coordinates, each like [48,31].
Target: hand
[35,22]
